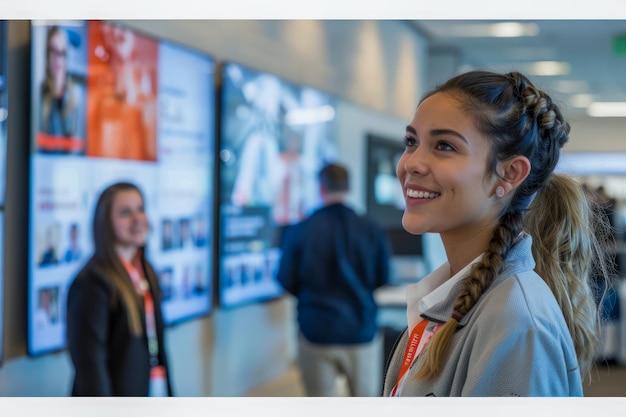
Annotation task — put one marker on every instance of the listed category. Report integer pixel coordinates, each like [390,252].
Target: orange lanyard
[414,346]
[142,287]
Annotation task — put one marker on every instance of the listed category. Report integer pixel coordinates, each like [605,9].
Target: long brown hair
[47,88]
[520,119]
[105,258]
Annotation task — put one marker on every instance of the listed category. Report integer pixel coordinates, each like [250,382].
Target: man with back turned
[332,262]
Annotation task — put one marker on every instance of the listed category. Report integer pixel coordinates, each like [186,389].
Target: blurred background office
[373,72]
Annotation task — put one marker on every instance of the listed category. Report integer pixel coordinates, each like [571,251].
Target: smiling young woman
[115,327]
[511,313]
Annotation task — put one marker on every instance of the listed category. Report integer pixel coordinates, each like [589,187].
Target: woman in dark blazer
[114,320]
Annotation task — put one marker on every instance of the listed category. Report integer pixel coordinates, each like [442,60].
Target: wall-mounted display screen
[111,104]
[274,138]
[3,148]
[385,202]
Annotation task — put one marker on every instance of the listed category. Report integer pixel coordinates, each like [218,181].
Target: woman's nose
[416,162]
[136,217]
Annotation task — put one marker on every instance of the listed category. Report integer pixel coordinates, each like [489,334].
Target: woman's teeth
[420,194]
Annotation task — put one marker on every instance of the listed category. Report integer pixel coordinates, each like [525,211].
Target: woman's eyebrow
[439,132]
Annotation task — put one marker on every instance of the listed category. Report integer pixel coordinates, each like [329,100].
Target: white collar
[432,289]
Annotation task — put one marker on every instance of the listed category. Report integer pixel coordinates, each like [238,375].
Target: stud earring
[500,191]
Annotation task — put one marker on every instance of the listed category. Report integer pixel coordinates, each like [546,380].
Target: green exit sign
[619,45]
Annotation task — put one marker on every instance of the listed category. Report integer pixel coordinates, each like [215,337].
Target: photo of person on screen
[122,94]
[165,280]
[232,272]
[47,312]
[187,284]
[200,237]
[62,116]
[289,205]
[115,328]
[184,232]
[200,287]
[256,181]
[49,246]
[73,251]
[167,234]
[270,264]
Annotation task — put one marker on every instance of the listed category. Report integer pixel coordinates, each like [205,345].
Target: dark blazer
[332,262]
[108,359]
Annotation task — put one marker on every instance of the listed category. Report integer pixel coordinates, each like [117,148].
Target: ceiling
[596,70]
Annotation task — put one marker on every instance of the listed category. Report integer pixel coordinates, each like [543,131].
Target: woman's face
[129,220]
[443,171]
[57,54]
[121,41]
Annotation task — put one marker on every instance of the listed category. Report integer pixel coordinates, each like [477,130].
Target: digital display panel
[275,136]
[109,104]
[385,202]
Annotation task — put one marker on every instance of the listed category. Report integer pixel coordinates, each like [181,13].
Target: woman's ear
[514,172]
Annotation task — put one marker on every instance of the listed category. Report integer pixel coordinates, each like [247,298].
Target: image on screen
[385,202]
[274,138]
[3,148]
[109,104]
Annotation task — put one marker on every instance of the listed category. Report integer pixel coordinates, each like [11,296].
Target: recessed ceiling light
[581,100]
[571,86]
[482,30]
[548,68]
[607,109]
[514,29]
[539,68]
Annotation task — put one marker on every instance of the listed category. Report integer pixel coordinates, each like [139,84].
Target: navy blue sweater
[332,262]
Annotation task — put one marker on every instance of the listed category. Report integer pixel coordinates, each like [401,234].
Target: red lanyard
[416,343]
[143,288]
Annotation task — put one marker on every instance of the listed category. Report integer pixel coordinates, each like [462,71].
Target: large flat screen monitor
[274,138]
[111,104]
[385,202]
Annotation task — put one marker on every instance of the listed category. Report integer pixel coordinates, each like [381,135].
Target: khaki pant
[320,365]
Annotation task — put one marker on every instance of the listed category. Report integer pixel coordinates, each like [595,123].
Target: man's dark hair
[334,178]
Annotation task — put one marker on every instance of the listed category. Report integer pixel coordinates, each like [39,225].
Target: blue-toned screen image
[275,137]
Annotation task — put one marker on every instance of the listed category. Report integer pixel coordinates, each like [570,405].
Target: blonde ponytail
[570,237]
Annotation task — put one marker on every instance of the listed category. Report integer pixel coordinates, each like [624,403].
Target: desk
[391,300]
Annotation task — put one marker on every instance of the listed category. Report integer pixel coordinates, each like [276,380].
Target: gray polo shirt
[513,342]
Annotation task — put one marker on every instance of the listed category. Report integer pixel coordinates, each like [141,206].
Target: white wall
[375,68]
[597,134]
